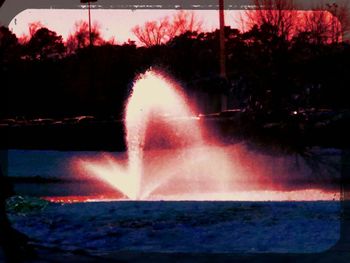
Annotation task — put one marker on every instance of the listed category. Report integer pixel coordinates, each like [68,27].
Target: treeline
[266,71]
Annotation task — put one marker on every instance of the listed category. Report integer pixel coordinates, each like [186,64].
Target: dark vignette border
[340,252]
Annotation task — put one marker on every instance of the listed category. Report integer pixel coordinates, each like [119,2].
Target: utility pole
[89,11]
[222,52]
[222,39]
[91,92]
[90,37]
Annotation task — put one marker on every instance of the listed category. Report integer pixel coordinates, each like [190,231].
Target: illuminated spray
[157,107]
[157,115]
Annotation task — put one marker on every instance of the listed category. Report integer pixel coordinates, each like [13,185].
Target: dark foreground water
[102,228]
[217,227]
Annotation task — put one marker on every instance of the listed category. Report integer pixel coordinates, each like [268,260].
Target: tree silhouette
[325,25]
[45,44]
[266,71]
[80,37]
[319,26]
[153,32]
[184,21]
[8,45]
[342,14]
[32,28]
[281,14]
[159,32]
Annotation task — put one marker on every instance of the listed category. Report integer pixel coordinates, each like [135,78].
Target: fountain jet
[158,116]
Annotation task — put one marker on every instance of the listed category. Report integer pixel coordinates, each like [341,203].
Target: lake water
[101,227]
[55,173]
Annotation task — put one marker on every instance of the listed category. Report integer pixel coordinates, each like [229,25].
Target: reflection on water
[52,173]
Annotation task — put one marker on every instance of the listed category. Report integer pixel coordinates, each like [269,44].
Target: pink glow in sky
[114,23]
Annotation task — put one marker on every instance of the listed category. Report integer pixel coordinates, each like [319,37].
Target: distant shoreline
[290,134]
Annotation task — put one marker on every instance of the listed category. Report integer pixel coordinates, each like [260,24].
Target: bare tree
[324,24]
[80,37]
[327,24]
[163,30]
[184,21]
[281,14]
[317,24]
[340,20]
[153,32]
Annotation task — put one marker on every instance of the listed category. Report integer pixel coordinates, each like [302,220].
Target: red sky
[114,23]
